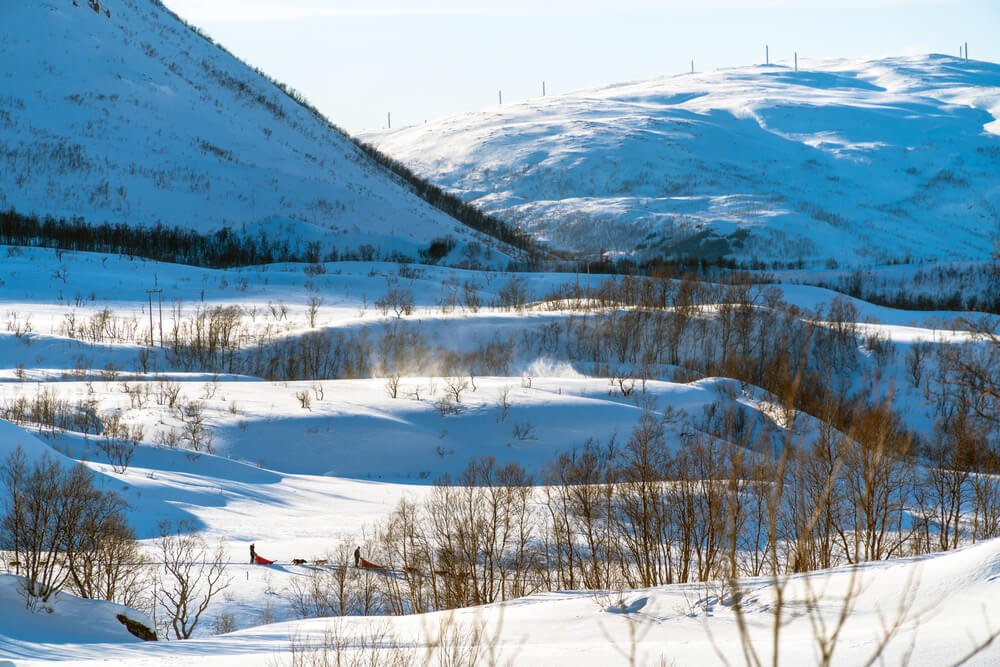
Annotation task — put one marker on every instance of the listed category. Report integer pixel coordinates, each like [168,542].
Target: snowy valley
[307,467]
[326,414]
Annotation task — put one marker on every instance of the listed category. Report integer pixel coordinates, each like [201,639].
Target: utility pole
[155,600]
[767,55]
[388,119]
[500,96]
[796,61]
[692,67]
[966,52]
[543,89]
[159,296]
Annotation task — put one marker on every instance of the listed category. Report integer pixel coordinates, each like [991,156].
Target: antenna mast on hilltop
[543,89]
[767,55]
[388,119]
[796,61]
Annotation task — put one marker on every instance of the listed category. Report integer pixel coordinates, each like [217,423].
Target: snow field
[304,481]
[952,595]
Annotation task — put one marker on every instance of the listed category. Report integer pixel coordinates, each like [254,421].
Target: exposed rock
[136,628]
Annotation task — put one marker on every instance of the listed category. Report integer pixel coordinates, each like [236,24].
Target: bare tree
[196,433]
[119,441]
[624,381]
[503,403]
[972,381]
[313,308]
[305,399]
[53,517]
[916,361]
[109,565]
[330,590]
[454,386]
[392,385]
[399,301]
[192,576]
[513,295]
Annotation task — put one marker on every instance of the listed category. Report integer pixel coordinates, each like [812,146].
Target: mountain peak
[116,111]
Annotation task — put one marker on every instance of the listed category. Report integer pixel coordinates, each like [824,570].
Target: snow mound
[861,162]
[65,619]
[12,437]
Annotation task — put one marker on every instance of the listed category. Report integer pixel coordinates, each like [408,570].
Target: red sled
[258,560]
[368,565]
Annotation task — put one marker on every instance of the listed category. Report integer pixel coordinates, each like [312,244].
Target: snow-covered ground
[302,407]
[131,117]
[931,611]
[304,481]
[853,162]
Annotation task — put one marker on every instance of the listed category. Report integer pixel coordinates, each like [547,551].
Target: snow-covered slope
[65,618]
[306,479]
[126,115]
[944,605]
[858,161]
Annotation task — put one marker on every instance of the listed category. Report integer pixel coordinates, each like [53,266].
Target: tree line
[61,531]
[221,249]
[656,509]
[661,507]
[628,329]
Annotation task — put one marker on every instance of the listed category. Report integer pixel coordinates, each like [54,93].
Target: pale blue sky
[424,59]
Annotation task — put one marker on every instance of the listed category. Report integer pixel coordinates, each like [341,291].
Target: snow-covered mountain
[119,112]
[861,162]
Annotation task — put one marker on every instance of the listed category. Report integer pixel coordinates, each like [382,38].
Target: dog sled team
[359,562]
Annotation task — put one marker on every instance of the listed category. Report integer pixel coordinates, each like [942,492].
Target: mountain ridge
[126,114]
[847,162]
